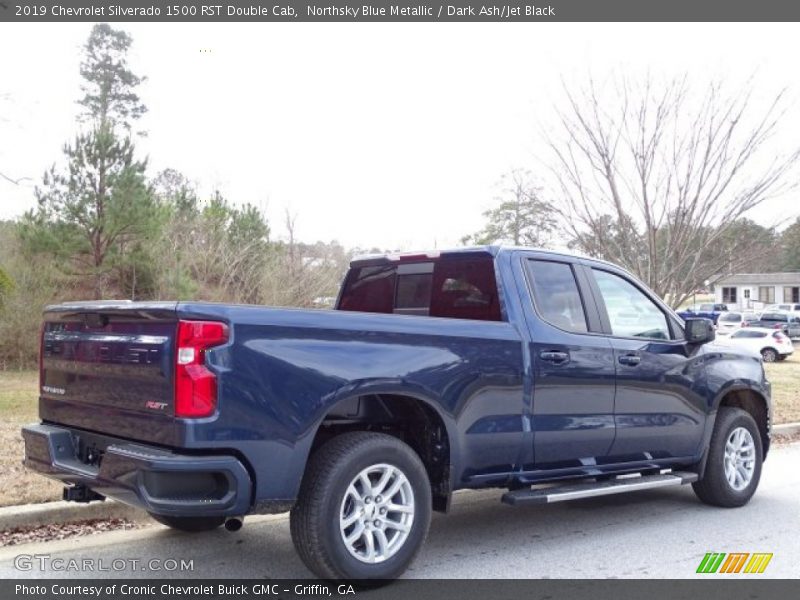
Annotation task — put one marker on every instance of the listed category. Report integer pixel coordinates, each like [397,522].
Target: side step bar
[591,489]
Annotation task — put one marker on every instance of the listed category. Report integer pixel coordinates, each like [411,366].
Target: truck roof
[492,250]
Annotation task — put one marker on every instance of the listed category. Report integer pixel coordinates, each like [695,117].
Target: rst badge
[153,405]
[49,389]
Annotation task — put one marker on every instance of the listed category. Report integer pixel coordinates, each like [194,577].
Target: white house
[756,290]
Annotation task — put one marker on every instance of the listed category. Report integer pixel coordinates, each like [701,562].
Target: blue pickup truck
[550,376]
[705,311]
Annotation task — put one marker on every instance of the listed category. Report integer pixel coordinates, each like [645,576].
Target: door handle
[630,359]
[554,356]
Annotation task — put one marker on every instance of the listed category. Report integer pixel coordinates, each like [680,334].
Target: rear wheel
[769,355]
[735,454]
[364,508]
[189,524]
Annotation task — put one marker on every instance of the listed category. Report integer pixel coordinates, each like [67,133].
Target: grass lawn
[18,407]
[785,378]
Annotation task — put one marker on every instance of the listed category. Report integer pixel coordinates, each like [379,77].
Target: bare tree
[14,181]
[6,97]
[658,178]
[300,274]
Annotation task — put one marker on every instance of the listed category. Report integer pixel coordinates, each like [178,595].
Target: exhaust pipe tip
[233,524]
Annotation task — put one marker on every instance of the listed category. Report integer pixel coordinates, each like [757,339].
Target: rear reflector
[42,330]
[196,385]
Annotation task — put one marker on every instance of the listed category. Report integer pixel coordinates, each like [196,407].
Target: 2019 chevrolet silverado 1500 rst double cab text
[473,368]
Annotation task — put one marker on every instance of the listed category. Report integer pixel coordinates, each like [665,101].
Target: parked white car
[772,345]
[731,321]
[790,307]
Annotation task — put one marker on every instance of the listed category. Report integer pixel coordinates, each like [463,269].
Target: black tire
[315,517]
[714,488]
[769,355]
[189,524]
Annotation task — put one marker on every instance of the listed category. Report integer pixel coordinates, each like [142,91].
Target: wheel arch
[754,403]
[410,415]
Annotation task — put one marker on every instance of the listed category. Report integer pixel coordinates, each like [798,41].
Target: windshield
[707,307]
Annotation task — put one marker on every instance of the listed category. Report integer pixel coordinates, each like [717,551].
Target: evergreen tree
[521,217]
[790,246]
[97,214]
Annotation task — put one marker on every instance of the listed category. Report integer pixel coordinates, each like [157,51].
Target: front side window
[743,333]
[556,295]
[630,312]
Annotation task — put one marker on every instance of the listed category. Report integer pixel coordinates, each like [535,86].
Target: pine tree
[96,214]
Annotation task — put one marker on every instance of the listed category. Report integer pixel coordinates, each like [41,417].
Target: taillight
[196,385]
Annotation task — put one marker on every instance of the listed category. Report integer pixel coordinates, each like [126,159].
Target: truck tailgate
[109,367]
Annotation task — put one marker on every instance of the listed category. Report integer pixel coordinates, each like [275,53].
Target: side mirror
[699,331]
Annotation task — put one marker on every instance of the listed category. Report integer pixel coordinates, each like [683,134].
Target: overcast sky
[388,135]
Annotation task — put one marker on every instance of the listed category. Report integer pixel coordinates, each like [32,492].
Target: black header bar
[371,11]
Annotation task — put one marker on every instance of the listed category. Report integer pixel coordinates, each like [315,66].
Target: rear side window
[556,295]
[451,287]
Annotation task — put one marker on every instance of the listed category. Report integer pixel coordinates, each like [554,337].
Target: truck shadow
[479,538]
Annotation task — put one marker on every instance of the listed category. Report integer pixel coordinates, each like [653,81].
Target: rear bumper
[157,480]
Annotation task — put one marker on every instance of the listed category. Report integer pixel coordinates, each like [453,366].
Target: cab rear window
[451,287]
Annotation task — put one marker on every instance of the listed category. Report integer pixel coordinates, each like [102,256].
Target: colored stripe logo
[734,562]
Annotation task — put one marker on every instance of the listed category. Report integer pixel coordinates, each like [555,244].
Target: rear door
[658,411]
[572,414]
[108,368]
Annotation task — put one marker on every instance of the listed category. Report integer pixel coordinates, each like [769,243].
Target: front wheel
[734,462]
[364,508]
[769,355]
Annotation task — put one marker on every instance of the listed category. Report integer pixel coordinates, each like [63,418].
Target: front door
[657,412]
